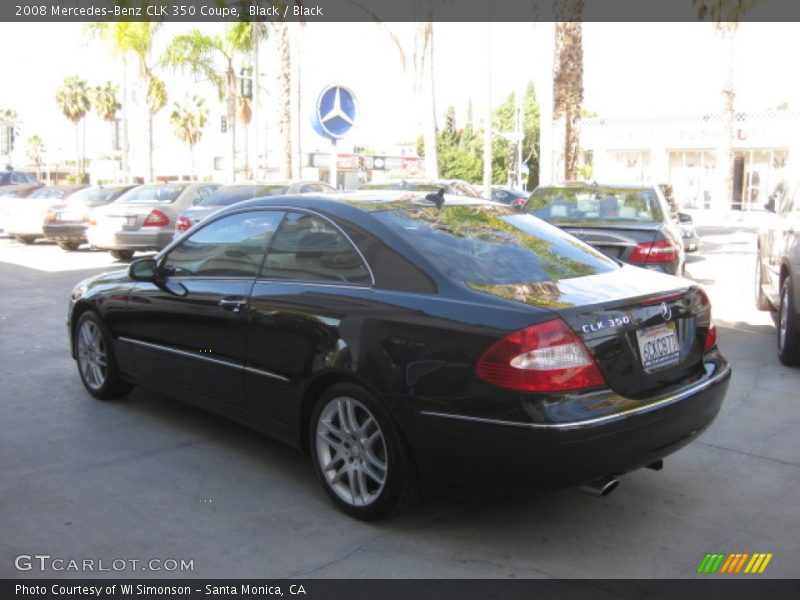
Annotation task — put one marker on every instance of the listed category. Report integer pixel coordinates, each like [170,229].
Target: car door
[188,330]
[312,281]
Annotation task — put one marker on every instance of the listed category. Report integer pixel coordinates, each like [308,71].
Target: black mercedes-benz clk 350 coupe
[403,338]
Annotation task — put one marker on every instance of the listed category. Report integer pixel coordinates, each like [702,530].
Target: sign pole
[334,165]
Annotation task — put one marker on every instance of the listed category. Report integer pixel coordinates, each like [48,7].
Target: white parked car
[25,216]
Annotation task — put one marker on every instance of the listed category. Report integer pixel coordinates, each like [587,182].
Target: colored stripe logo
[738,562]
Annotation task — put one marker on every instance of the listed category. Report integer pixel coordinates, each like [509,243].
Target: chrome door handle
[233,303]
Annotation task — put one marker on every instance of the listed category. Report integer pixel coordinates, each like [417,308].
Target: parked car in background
[777,274]
[404,337]
[8,199]
[65,222]
[26,215]
[231,194]
[510,196]
[631,223]
[143,218]
[691,241]
[456,187]
[17,178]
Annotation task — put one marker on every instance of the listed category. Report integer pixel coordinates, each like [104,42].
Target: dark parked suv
[777,275]
[631,223]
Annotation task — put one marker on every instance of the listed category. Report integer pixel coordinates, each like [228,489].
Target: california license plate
[658,346]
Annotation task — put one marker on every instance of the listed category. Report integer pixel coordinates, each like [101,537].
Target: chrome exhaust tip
[602,487]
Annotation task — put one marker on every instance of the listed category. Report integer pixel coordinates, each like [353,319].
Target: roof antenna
[437,198]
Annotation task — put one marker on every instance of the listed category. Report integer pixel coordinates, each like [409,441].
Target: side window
[309,248]
[229,247]
[31,179]
[17,178]
[308,188]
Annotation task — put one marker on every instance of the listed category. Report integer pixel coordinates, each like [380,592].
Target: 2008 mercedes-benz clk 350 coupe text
[402,338]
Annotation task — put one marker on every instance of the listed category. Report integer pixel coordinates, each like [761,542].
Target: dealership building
[683,151]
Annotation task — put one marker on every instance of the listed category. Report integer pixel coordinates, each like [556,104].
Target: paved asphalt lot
[148,477]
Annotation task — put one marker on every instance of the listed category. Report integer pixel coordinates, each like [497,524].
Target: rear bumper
[570,452]
[156,239]
[71,232]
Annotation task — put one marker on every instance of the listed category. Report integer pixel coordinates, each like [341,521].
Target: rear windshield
[228,196]
[497,245]
[161,194]
[580,205]
[96,195]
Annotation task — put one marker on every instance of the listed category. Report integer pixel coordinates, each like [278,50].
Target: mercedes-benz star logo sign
[336,111]
[666,311]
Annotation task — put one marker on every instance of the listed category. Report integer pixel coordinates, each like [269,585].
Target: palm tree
[213,57]
[725,14]
[73,100]
[188,122]
[137,38]
[105,102]
[284,97]
[35,153]
[568,85]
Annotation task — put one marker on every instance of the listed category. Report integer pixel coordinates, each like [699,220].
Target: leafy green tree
[74,101]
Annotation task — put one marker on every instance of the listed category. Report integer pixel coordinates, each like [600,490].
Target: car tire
[97,364]
[69,246]
[352,430]
[122,254]
[762,302]
[788,327]
[25,239]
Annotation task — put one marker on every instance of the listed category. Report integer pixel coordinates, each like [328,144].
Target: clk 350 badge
[609,323]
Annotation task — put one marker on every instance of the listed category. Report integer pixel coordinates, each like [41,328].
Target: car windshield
[581,205]
[494,245]
[95,195]
[162,194]
[232,195]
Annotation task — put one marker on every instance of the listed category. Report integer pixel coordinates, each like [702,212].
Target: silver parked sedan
[143,218]
[230,194]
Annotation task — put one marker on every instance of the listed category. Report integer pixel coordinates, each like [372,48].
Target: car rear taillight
[183,223]
[156,218]
[547,357]
[711,337]
[660,251]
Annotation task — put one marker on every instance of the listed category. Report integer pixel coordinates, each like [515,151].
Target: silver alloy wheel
[783,325]
[92,356]
[351,451]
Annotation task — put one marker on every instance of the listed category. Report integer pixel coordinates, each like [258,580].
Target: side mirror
[685,218]
[144,269]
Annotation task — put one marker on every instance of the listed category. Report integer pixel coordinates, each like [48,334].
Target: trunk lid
[645,330]
[615,241]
